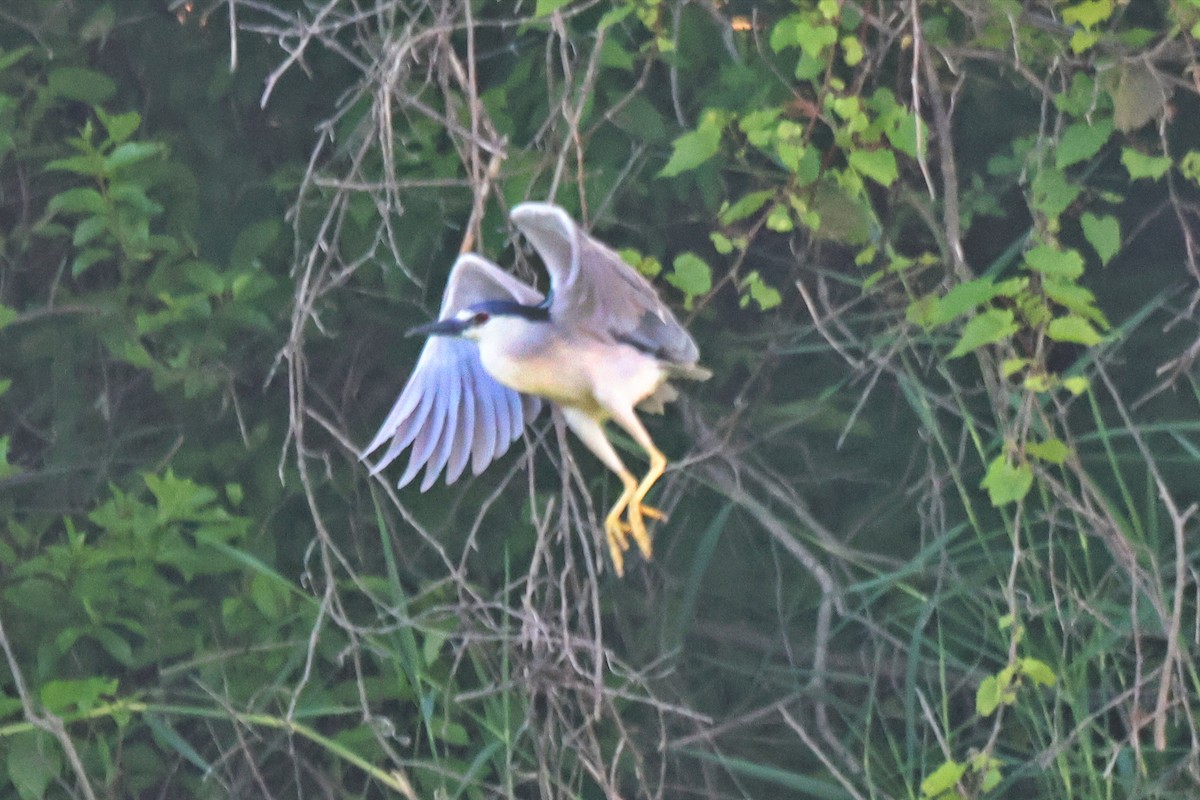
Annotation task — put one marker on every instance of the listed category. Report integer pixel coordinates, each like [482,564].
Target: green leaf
[89,164]
[177,498]
[71,695]
[1075,329]
[6,468]
[1038,671]
[88,229]
[614,15]
[267,596]
[33,762]
[878,165]
[1189,166]
[84,85]
[131,153]
[852,51]
[87,258]
[759,125]
[1051,193]
[991,777]
[647,265]
[7,315]
[114,644]
[961,298]
[546,7]
[988,696]
[119,126]
[691,275]
[1055,263]
[253,241]
[813,39]
[992,325]
[694,147]
[745,206]
[8,59]
[80,200]
[1088,13]
[1076,385]
[1140,165]
[1103,234]
[942,779]
[760,292]
[1051,450]
[1080,141]
[1006,483]
[1074,298]
[780,219]
[134,196]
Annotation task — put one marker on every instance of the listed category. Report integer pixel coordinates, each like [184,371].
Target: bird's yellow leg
[616,531]
[637,509]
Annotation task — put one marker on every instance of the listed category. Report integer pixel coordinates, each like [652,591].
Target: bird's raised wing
[451,410]
[593,286]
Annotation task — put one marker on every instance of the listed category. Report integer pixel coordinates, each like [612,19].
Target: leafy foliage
[939,256]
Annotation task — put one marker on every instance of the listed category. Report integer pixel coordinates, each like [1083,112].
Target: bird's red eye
[482,317]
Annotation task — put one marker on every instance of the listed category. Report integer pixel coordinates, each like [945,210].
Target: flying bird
[598,346]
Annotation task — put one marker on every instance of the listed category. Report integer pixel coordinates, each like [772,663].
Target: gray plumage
[601,344]
[451,409]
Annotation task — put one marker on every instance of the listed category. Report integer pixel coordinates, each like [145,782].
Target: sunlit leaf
[878,165]
[119,126]
[1088,13]
[1051,261]
[991,326]
[693,148]
[963,297]
[546,7]
[1038,671]
[1052,193]
[1006,483]
[1080,141]
[1103,234]
[1073,329]
[1140,165]
[691,275]
[1051,450]
[943,779]
[987,697]
[131,153]
[745,206]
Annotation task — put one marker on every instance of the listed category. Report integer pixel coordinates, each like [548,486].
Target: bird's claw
[619,531]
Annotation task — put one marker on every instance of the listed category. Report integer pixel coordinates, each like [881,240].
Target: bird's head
[474,322]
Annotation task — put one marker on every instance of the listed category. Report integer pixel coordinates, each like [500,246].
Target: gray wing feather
[461,451]
[452,411]
[590,284]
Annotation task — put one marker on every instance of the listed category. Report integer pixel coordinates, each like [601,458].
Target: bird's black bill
[441,327]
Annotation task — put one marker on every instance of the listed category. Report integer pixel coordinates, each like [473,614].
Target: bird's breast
[585,374]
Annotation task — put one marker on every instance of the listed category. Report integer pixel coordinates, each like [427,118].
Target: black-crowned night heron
[600,345]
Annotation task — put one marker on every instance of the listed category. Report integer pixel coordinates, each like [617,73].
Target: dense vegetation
[933,525]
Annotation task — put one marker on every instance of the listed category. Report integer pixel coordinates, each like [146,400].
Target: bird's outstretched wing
[451,410]
[591,285]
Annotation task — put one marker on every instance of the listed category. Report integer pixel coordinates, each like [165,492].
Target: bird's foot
[617,534]
[619,531]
